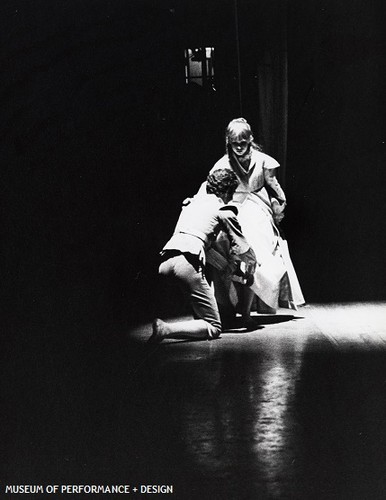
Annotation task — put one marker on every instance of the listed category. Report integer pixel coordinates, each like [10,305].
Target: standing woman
[261,202]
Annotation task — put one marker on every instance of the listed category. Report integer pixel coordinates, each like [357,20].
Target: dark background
[101,140]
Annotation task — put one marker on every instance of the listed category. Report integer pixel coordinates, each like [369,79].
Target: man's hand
[245,267]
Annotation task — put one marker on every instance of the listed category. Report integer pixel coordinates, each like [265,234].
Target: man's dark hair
[221,181]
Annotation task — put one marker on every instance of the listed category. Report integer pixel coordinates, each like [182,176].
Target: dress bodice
[251,181]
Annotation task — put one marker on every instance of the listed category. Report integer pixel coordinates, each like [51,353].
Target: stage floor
[295,409]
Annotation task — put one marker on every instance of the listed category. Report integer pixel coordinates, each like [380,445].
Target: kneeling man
[183,256]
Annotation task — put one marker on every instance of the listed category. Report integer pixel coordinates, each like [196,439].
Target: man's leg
[202,300]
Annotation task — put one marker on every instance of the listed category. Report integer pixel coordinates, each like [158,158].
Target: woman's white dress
[275,283]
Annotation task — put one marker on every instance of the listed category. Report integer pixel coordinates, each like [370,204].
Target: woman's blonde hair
[239,128]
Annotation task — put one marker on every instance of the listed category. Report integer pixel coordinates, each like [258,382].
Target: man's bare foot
[159,331]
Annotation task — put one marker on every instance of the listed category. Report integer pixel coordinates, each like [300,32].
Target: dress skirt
[275,280]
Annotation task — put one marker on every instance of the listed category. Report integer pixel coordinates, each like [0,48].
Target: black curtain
[261,36]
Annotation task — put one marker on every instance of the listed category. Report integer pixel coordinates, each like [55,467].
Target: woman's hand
[278,210]
[278,218]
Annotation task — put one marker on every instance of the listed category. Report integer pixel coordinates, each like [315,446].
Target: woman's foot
[249,323]
[159,331]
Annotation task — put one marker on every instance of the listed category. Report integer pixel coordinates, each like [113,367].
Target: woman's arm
[276,193]
[273,187]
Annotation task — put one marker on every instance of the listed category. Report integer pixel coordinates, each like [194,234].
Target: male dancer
[183,256]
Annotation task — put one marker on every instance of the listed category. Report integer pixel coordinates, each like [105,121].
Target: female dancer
[261,202]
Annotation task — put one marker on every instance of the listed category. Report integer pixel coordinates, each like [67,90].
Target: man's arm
[240,249]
